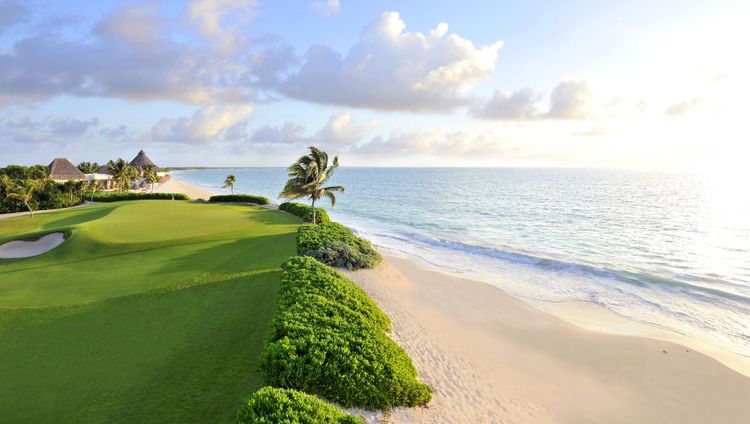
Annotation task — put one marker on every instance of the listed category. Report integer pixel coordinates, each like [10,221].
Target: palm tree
[70,187]
[307,176]
[88,167]
[151,176]
[94,186]
[122,172]
[24,192]
[229,182]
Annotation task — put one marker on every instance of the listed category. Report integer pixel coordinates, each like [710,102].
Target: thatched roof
[142,161]
[104,169]
[63,170]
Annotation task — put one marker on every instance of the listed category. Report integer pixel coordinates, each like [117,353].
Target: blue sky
[381,83]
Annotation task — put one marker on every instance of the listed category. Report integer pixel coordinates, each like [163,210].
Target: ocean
[665,249]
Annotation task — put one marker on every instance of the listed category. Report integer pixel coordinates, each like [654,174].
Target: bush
[245,198]
[305,212]
[335,245]
[328,338]
[272,406]
[117,196]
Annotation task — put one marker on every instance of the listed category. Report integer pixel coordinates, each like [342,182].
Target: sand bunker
[25,249]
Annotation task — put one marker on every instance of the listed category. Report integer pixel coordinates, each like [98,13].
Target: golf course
[150,311]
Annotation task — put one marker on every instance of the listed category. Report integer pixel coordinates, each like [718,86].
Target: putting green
[151,311]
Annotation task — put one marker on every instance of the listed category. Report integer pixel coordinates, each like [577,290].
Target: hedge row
[335,245]
[328,338]
[272,406]
[305,212]
[244,198]
[117,196]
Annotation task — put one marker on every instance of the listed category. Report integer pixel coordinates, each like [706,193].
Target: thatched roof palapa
[142,161]
[62,169]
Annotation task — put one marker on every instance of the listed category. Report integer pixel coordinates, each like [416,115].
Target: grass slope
[151,311]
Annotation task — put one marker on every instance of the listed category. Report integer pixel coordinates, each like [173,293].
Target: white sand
[175,186]
[25,249]
[494,359]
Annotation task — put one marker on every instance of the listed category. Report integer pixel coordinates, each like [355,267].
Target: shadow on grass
[247,254]
[85,215]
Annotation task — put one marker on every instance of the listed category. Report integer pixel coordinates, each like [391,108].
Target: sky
[627,84]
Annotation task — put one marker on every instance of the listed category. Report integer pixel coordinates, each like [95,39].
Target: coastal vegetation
[305,212]
[88,167]
[329,338]
[118,196]
[146,313]
[271,405]
[230,182]
[242,198]
[28,188]
[307,177]
[333,244]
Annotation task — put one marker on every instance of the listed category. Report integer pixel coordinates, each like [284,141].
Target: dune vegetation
[150,311]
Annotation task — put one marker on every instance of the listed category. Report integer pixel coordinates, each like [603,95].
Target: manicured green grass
[151,311]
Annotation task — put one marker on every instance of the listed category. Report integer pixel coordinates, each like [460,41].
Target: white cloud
[128,55]
[680,108]
[222,19]
[289,133]
[48,130]
[342,130]
[386,69]
[517,105]
[326,7]
[210,123]
[570,100]
[436,142]
[137,24]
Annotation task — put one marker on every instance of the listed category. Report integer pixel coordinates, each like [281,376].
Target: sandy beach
[492,358]
[173,185]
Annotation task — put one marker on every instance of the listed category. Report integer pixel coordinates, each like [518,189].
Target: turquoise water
[670,250]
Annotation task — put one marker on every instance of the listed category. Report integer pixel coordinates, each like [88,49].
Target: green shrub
[245,198]
[282,406]
[335,245]
[117,196]
[328,338]
[305,212]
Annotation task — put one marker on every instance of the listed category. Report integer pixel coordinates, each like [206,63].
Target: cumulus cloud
[68,127]
[511,105]
[47,130]
[210,123]
[125,56]
[326,7]
[435,142]
[289,133]
[682,107]
[11,14]
[386,69]
[222,19]
[136,24]
[570,100]
[341,131]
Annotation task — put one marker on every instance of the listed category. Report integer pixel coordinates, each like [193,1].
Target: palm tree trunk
[31,211]
[313,207]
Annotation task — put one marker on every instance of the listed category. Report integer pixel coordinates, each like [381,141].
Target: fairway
[150,311]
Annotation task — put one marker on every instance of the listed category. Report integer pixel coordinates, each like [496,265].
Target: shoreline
[585,315]
[491,357]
